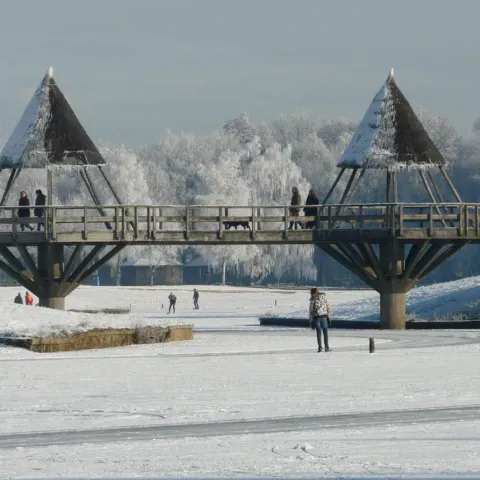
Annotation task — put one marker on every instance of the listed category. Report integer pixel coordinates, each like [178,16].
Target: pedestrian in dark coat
[39,210]
[196,295]
[24,210]
[295,208]
[18,299]
[173,300]
[312,199]
[320,317]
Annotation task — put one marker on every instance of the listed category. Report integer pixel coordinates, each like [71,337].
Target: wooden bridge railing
[146,221]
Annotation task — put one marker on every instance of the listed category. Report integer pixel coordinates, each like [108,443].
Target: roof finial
[391,73]
[50,72]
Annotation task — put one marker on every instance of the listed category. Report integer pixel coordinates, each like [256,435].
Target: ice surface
[234,370]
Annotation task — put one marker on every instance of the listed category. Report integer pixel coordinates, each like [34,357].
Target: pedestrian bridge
[217,225]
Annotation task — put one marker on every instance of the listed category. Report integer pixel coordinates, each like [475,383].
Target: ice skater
[196,295]
[173,300]
[320,317]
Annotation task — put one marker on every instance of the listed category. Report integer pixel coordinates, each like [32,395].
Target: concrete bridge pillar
[50,268]
[392,289]
[58,303]
[392,311]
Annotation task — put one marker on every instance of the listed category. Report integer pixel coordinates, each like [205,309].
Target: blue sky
[132,69]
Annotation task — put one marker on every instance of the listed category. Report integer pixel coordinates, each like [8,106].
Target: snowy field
[240,399]
[441,301]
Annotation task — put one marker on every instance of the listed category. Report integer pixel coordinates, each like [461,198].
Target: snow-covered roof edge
[49,133]
[390,135]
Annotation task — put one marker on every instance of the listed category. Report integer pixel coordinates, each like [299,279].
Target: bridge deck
[145,224]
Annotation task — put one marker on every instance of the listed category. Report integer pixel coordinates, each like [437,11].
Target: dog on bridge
[234,224]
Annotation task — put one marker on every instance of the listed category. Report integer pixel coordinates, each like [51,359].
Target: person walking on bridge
[39,210]
[295,208]
[320,317]
[24,210]
[173,300]
[312,199]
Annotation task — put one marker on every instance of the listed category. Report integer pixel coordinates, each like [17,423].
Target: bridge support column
[49,276]
[392,310]
[50,269]
[392,290]
[391,267]
[58,303]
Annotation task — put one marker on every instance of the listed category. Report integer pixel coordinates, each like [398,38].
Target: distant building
[139,272]
[199,272]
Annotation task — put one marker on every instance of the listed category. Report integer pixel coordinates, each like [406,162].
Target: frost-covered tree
[241,128]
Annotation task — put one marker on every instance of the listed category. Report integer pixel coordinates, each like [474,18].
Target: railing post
[285,213]
[220,223]
[430,221]
[127,213]
[116,223]
[465,220]
[160,223]
[123,223]
[421,213]
[476,220]
[361,218]
[154,222]
[187,235]
[14,222]
[53,220]
[459,219]
[401,220]
[148,235]
[135,226]
[259,214]
[329,213]
[253,224]
[85,223]
[393,224]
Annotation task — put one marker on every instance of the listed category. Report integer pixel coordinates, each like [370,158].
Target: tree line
[247,163]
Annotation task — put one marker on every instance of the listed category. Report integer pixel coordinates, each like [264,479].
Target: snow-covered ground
[220,307]
[112,404]
[441,301]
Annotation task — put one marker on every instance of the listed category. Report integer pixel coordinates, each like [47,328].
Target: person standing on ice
[295,208]
[39,210]
[173,300]
[18,299]
[28,299]
[196,295]
[320,317]
[24,210]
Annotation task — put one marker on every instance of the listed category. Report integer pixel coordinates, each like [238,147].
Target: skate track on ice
[398,340]
[391,341]
[242,427]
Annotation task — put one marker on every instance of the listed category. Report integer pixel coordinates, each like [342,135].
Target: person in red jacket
[28,299]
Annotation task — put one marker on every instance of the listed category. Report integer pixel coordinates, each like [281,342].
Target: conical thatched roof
[49,134]
[390,135]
